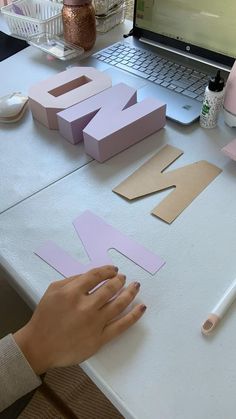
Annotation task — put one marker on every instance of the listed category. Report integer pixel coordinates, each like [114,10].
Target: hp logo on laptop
[187,48]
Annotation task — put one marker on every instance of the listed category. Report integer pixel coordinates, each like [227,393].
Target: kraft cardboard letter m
[188,181]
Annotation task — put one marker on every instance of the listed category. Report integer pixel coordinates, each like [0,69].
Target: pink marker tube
[220,309]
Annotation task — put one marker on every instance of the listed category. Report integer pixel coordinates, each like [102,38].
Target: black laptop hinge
[131,32]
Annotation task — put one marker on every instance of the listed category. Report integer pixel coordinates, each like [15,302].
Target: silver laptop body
[174,47]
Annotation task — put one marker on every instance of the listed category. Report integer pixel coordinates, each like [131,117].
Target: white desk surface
[162,368]
[44,154]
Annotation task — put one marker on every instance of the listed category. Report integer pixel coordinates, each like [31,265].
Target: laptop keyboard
[156,69]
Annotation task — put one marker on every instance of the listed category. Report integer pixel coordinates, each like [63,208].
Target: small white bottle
[212,102]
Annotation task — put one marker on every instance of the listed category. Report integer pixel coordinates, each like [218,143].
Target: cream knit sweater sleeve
[16,375]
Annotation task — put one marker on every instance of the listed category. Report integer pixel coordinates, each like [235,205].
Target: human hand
[73,320]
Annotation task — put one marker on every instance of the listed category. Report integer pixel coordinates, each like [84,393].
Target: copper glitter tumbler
[79,23]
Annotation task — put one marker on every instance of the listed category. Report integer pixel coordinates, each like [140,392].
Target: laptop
[173,48]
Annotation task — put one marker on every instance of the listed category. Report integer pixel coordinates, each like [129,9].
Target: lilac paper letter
[98,237]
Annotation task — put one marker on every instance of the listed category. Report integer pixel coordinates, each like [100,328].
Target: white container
[229,109]
[55,46]
[27,18]
[102,7]
[212,102]
[105,23]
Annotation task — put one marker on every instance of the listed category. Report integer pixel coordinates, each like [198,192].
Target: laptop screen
[207,24]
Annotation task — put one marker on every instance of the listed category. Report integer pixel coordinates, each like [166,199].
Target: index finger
[94,277]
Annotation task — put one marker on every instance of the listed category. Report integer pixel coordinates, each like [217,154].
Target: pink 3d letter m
[111,121]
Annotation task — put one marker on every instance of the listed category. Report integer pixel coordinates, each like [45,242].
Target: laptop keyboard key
[200,91]
[171,87]
[179,89]
[164,84]
[189,94]
[179,83]
[200,98]
[168,79]
[132,70]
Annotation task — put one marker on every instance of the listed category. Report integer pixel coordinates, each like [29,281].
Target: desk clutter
[30,18]
[78,109]
[109,13]
[140,197]
[27,18]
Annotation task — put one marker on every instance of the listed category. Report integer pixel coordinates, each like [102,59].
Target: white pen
[220,309]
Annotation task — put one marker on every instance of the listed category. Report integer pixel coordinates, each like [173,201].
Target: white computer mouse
[12,107]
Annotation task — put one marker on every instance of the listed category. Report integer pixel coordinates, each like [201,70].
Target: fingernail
[116,268]
[143,308]
[137,285]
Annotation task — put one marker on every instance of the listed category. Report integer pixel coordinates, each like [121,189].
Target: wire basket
[27,18]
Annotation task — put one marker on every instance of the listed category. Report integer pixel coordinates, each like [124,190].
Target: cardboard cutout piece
[188,181]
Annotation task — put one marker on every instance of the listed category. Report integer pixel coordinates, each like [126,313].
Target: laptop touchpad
[180,108]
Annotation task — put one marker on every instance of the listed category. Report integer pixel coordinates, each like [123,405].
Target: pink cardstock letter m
[98,237]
